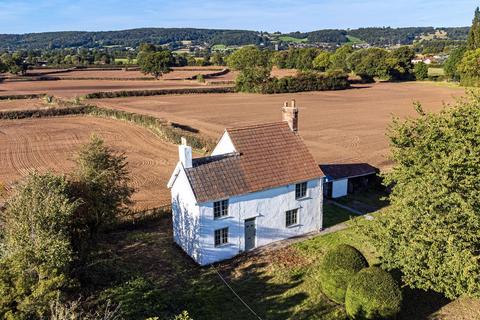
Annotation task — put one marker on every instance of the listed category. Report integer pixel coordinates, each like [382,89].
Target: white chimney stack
[290,115]
[185,154]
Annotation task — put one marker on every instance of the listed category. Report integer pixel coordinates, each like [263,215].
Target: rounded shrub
[337,268]
[373,294]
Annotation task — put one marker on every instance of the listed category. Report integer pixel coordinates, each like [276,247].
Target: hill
[132,38]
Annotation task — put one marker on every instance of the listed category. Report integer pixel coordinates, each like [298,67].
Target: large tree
[469,68]
[431,230]
[155,63]
[473,40]
[254,66]
[451,65]
[35,249]
[322,61]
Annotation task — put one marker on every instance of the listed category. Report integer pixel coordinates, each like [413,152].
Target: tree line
[160,36]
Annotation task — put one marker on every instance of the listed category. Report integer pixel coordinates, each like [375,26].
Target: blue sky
[23,16]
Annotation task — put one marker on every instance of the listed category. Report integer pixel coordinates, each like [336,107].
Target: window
[300,190]
[221,237]
[291,217]
[220,209]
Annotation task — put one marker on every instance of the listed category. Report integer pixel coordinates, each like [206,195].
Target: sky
[25,16]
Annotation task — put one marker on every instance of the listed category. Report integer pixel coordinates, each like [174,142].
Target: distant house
[259,185]
[342,179]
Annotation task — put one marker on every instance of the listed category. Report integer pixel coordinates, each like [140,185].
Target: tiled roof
[341,171]
[268,155]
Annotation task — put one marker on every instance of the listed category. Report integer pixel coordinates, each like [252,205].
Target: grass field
[292,39]
[435,72]
[149,276]
[354,40]
[125,61]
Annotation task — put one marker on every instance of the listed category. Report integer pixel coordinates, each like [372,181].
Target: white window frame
[222,210]
[222,237]
[302,186]
[293,211]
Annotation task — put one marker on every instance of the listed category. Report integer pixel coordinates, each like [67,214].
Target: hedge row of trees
[255,67]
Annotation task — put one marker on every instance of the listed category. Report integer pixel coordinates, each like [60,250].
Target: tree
[451,65]
[469,68]
[339,58]
[36,253]
[322,61]
[370,63]
[430,231]
[100,179]
[254,66]
[402,66]
[473,40]
[421,71]
[155,63]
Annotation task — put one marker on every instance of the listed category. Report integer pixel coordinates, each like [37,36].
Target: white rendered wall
[225,145]
[185,216]
[268,207]
[339,188]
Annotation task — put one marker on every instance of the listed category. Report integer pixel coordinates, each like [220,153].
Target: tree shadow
[420,305]
[160,280]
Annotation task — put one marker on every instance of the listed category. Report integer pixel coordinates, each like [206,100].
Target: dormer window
[220,209]
[300,190]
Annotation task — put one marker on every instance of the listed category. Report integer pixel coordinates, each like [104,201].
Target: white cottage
[260,185]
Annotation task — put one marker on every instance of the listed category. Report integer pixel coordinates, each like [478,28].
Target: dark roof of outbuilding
[268,155]
[341,171]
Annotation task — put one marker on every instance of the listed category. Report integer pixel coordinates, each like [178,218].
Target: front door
[250,234]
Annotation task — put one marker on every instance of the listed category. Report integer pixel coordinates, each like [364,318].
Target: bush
[421,71]
[373,294]
[307,81]
[337,268]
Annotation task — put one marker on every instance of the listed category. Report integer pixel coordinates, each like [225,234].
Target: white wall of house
[269,208]
[224,146]
[185,215]
[339,188]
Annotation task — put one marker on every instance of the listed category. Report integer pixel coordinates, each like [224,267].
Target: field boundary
[159,92]
[167,131]
[23,96]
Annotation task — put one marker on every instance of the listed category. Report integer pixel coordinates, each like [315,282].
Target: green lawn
[292,39]
[333,215]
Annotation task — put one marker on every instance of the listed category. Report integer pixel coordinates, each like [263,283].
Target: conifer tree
[473,41]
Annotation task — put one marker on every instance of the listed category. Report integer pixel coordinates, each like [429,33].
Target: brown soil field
[73,88]
[113,74]
[347,126]
[22,104]
[51,144]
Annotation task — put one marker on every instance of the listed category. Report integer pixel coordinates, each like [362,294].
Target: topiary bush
[373,294]
[337,268]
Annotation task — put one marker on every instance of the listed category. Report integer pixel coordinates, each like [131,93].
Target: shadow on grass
[149,276]
[420,305]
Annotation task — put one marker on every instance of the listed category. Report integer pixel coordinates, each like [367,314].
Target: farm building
[342,179]
[259,185]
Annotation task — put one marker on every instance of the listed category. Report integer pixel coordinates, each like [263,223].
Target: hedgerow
[144,93]
[169,132]
[306,81]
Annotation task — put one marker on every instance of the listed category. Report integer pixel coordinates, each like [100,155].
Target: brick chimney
[290,115]
[185,154]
